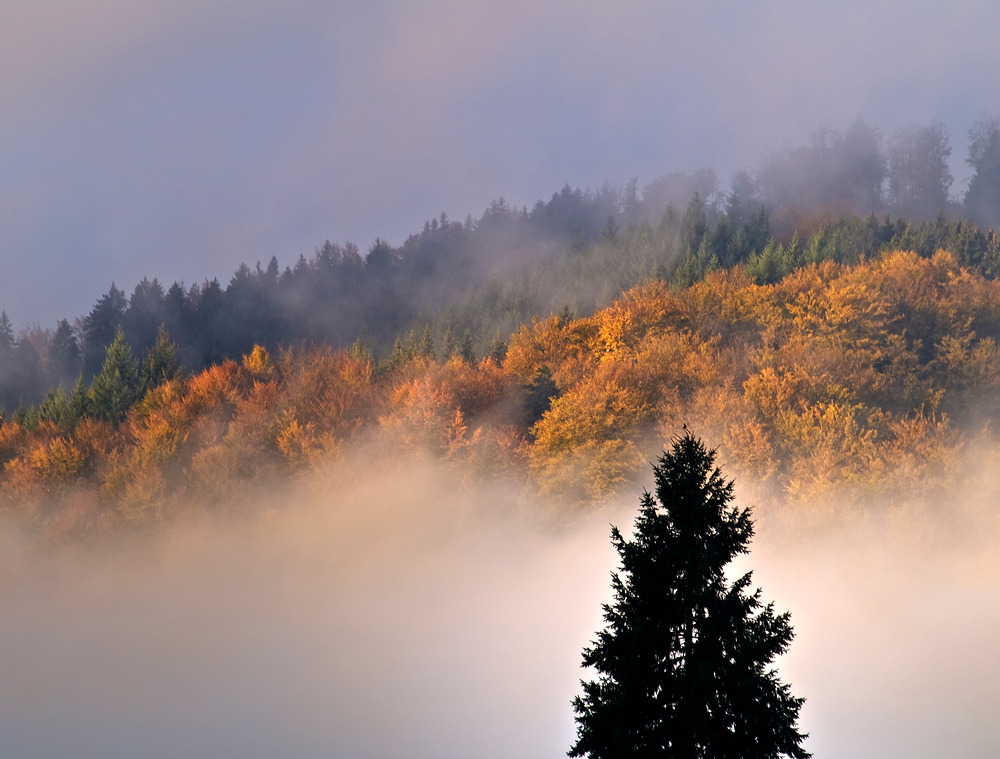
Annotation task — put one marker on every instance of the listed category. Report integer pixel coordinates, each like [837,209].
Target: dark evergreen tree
[100,327]
[210,321]
[498,350]
[55,407]
[78,404]
[160,364]
[143,316]
[116,388]
[467,348]
[684,661]
[425,348]
[447,344]
[538,394]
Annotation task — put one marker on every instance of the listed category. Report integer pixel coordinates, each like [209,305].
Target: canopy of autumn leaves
[836,378]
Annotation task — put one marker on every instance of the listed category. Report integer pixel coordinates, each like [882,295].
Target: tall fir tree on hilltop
[683,663]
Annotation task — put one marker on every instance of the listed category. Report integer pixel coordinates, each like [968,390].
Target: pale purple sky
[178,139]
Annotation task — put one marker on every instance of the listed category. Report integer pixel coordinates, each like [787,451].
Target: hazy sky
[178,139]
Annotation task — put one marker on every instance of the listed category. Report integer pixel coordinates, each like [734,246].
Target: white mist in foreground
[896,616]
[398,619]
[415,617]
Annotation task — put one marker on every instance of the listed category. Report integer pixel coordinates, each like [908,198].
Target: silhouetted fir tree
[684,662]
[116,388]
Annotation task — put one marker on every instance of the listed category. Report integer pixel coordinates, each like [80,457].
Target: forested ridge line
[854,378]
[844,196]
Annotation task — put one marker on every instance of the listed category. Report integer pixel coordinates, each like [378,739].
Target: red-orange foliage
[836,377]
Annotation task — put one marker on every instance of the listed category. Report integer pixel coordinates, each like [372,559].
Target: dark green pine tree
[116,388]
[684,661]
[425,348]
[467,348]
[498,350]
[99,328]
[79,404]
[160,364]
[447,344]
[55,407]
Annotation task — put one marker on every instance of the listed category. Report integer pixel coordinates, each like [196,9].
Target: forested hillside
[863,378]
[843,197]
[823,346]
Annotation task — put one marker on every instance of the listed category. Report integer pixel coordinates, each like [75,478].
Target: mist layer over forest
[359,506]
[406,611]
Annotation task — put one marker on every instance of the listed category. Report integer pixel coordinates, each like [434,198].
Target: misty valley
[359,506]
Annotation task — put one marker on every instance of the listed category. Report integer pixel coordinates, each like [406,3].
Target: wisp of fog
[408,612]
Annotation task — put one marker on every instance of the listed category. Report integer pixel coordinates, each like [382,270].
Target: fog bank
[410,613]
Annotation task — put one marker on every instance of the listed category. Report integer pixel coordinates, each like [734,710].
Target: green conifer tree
[447,344]
[79,403]
[160,364]
[425,348]
[55,407]
[498,350]
[116,388]
[467,348]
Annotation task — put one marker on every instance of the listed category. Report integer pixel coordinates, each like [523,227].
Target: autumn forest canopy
[830,320]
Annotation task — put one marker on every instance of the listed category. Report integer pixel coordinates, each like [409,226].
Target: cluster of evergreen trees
[121,381]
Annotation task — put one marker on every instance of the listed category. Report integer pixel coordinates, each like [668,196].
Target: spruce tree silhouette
[683,662]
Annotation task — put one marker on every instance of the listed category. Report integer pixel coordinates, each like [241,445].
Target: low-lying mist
[408,612]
